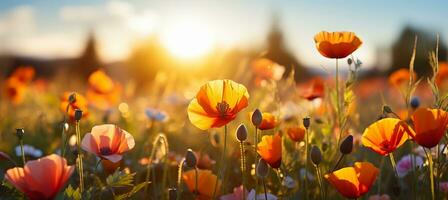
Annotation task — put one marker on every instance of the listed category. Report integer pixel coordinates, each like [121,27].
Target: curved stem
[221,163]
[337,163]
[431,171]
[179,179]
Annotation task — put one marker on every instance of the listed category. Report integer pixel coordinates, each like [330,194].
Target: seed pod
[349,61]
[172,193]
[241,133]
[346,145]
[262,169]
[306,122]
[415,102]
[20,132]
[257,118]
[78,114]
[72,98]
[190,159]
[316,155]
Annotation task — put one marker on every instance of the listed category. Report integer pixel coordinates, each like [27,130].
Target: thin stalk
[306,163]
[243,168]
[265,191]
[338,107]
[337,163]
[196,181]
[256,159]
[23,152]
[179,179]
[431,172]
[221,163]
[63,134]
[80,162]
[414,172]
[394,165]
[319,182]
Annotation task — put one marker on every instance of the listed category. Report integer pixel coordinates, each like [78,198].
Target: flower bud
[306,122]
[78,114]
[172,193]
[72,98]
[241,133]
[190,159]
[262,169]
[387,109]
[316,155]
[257,118]
[346,145]
[20,132]
[415,102]
[324,146]
[349,61]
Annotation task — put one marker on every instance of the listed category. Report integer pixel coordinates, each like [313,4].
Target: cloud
[79,13]
[19,20]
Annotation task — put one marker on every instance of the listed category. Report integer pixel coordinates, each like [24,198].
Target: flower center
[105,151]
[223,107]
[386,146]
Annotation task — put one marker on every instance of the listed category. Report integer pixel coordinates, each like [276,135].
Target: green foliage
[72,194]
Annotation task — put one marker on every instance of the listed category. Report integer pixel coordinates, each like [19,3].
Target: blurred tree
[402,50]
[278,52]
[88,61]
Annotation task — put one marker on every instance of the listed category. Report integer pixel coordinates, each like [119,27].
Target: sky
[49,29]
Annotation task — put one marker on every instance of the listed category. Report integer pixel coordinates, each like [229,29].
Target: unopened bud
[257,118]
[262,169]
[190,159]
[349,61]
[20,132]
[387,109]
[306,122]
[78,114]
[347,145]
[241,133]
[324,146]
[415,102]
[316,155]
[172,193]
[72,98]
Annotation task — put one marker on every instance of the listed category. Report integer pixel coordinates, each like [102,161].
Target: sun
[187,39]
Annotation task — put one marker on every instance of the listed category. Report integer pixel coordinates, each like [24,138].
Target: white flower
[251,196]
[289,182]
[29,151]
[404,166]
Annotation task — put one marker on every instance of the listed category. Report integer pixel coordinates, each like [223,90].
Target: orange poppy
[353,182]
[316,89]
[270,149]
[386,135]
[400,77]
[336,44]
[442,75]
[269,121]
[296,133]
[206,183]
[80,103]
[429,126]
[217,103]
[24,74]
[103,92]
[108,141]
[42,178]
[15,90]
[263,68]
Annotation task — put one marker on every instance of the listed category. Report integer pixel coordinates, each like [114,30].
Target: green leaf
[71,193]
[134,190]
[120,179]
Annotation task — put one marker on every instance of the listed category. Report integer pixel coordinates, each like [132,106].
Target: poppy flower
[269,121]
[103,92]
[353,182]
[15,90]
[206,183]
[217,103]
[336,44]
[429,126]
[108,141]
[316,89]
[400,77]
[270,149]
[442,75]
[79,103]
[24,74]
[296,133]
[266,69]
[386,135]
[42,178]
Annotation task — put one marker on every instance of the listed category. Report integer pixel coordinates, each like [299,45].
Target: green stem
[265,191]
[256,160]
[23,152]
[63,134]
[306,163]
[243,168]
[80,162]
[179,179]
[338,108]
[322,195]
[394,165]
[431,172]
[221,163]
[337,163]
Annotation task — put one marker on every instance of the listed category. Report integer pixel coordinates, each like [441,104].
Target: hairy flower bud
[306,122]
[20,132]
[346,145]
[316,155]
[262,169]
[78,114]
[257,118]
[241,133]
[190,159]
